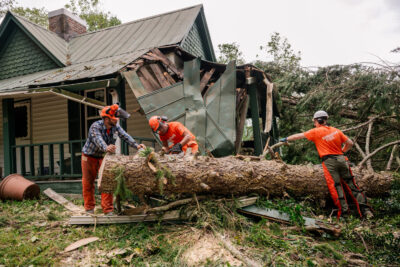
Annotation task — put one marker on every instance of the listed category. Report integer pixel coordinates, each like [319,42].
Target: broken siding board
[167,62]
[159,75]
[169,77]
[146,84]
[205,79]
[149,77]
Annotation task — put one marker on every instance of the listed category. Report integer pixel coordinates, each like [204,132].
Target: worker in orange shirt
[328,141]
[173,132]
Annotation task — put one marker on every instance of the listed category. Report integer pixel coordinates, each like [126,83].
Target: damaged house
[53,82]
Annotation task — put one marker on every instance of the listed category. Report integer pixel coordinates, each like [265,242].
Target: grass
[35,232]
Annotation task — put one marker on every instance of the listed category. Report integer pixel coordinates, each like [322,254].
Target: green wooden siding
[194,43]
[22,56]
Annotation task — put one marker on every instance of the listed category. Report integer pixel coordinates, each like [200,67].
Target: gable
[198,41]
[21,56]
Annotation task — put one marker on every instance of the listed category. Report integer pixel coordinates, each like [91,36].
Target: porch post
[252,88]
[8,134]
[122,102]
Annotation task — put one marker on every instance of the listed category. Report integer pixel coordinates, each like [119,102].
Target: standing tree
[229,52]
[88,10]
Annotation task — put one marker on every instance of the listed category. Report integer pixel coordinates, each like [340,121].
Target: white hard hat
[319,114]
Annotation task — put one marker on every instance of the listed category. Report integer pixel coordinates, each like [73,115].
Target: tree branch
[377,150]
[389,164]
[367,144]
[360,125]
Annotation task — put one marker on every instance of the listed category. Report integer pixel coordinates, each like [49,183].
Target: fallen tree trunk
[227,176]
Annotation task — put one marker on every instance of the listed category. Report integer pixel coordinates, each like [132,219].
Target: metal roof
[164,29]
[102,52]
[95,68]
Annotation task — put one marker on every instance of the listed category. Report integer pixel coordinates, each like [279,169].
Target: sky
[326,32]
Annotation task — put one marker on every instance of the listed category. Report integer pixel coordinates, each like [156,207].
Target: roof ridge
[135,21]
[37,25]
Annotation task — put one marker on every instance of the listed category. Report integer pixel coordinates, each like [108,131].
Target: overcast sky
[324,31]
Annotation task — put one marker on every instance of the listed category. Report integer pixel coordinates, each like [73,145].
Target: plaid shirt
[98,140]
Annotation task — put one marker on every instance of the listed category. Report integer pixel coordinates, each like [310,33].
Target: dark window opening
[21,121]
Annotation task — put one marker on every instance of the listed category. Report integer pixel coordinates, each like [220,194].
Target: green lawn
[35,232]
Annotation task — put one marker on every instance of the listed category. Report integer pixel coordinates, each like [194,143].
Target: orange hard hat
[154,123]
[110,111]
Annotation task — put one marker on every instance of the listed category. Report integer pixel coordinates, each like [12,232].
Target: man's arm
[293,137]
[186,138]
[127,138]
[348,144]
[165,146]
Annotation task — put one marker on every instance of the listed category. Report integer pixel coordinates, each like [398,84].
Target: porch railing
[45,161]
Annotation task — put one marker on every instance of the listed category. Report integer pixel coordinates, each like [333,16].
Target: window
[91,113]
[22,113]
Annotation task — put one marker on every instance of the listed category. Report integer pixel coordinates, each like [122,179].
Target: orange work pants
[90,168]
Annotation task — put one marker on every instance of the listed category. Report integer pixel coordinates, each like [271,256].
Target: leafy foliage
[229,52]
[121,190]
[90,11]
[6,5]
[36,15]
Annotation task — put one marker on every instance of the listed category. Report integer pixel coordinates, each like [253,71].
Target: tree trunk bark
[227,176]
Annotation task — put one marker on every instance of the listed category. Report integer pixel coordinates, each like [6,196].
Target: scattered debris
[145,214]
[61,200]
[310,224]
[80,243]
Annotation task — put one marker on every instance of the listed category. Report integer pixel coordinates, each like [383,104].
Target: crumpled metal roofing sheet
[211,120]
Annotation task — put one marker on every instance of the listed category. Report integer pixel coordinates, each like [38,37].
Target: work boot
[368,214]
[90,211]
[109,213]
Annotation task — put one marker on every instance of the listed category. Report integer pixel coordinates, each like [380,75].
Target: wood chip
[80,243]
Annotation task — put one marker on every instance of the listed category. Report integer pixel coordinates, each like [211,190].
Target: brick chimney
[66,24]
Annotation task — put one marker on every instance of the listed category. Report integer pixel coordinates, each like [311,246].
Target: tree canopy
[88,10]
[363,100]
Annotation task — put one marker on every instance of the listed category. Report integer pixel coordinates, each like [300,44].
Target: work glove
[283,140]
[176,149]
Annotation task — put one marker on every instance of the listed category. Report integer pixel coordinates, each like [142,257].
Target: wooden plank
[169,77]
[146,84]
[205,79]
[167,216]
[268,108]
[244,202]
[149,77]
[159,75]
[167,62]
[61,200]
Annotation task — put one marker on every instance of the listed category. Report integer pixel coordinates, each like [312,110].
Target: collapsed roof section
[212,100]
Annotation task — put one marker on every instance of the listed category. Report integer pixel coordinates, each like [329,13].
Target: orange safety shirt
[175,133]
[328,140]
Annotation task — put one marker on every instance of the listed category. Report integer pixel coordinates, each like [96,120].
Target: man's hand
[283,140]
[165,149]
[111,148]
[176,149]
[141,146]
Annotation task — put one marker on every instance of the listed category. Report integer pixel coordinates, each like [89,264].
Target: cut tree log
[229,175]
